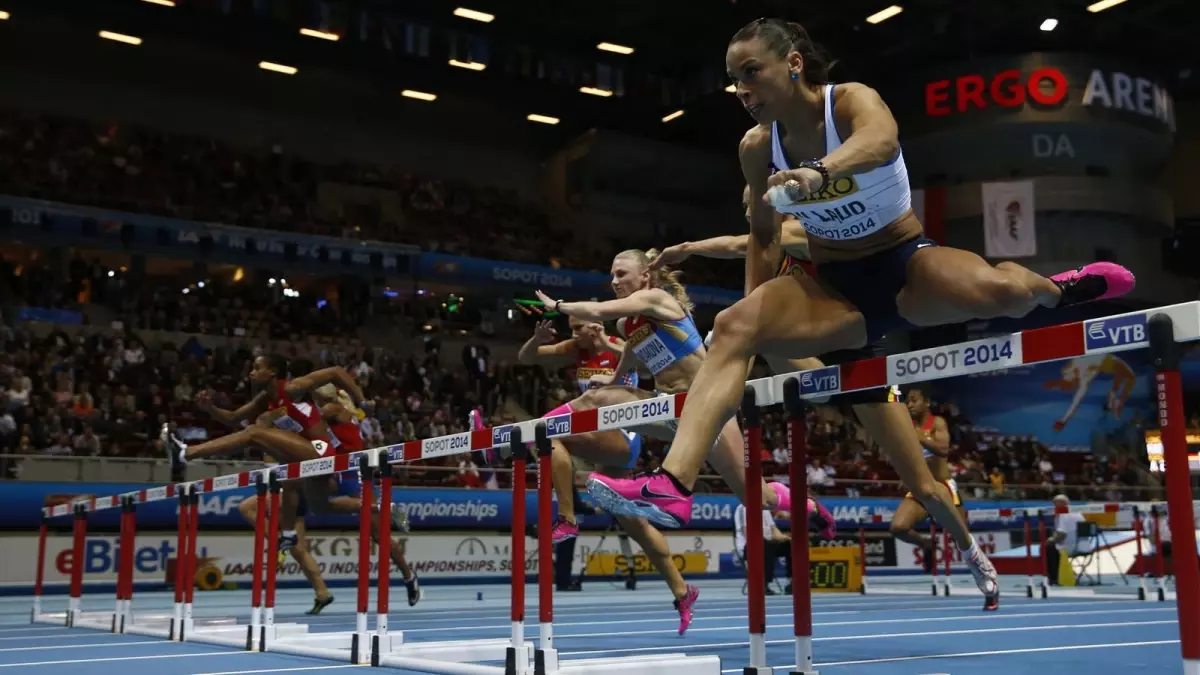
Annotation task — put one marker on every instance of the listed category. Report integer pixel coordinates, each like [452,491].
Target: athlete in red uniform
[297,433]
[290,429]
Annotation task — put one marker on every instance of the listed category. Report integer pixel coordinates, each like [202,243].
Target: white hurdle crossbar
[1159,329]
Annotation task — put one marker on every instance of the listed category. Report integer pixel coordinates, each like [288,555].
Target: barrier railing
[1159,329]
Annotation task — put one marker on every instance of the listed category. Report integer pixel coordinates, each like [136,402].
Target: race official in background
[776,545]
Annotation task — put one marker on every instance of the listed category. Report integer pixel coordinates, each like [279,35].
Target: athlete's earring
[795,76]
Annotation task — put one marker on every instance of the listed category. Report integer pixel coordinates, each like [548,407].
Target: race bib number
[288,424]
[654,353]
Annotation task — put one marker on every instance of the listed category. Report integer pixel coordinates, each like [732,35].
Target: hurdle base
[296,640]
[458,651]
[660,664]
[545,661]
[762,670]
[1191,667]
[804,672]
[77,619]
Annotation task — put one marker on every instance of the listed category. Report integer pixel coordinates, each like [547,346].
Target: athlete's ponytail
[662,277]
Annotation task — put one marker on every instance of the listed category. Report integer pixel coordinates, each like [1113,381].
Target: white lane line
[972,607]
[92,644]
[998,652]
[965,617]
[190,655]
[285,670]
[837,638]
[46,629]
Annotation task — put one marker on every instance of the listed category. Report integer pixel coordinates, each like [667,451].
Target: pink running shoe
[475,423]
[784,495]
[652,496]
[684,605]
[820,519]
[1097,281]
[563,530]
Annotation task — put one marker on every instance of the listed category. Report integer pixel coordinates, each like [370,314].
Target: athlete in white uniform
[831,156]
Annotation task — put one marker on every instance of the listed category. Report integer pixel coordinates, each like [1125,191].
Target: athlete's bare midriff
[892,235]
[939,467]
[679,376]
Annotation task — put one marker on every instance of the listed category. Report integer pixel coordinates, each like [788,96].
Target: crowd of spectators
[143,170]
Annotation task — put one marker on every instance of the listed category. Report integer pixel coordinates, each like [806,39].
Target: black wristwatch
[816,165]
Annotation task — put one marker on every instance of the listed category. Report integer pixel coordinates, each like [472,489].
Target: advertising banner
[224,559]
[1067,403]
[570,283]
[428,509]
[1009,229]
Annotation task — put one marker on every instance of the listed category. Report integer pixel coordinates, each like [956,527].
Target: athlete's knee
[248,508]
[927,491]
[255,433]
[734,325]
[899,530]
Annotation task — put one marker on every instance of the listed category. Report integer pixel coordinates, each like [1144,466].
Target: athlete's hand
[548,302]
[671,255]
[544,332]
[600,380]
[809,181]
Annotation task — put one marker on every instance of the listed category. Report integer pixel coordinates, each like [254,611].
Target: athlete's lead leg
[792,316]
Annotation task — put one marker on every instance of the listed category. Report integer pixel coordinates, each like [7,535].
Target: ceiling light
[164,3]
[419,95]
[616,49]
[464,13]
[1103,5]
[1049,25]
[732,89]
[673,116]
[320,34]
[4,15]
[277,67]
[595,92]
[469,65]
[885,14]
[543,119]
[117,37]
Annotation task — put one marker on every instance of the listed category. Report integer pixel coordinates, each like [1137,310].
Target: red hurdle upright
[798,480]
[1168,387]
[756,586]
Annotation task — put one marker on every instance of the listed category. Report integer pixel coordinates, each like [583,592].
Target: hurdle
[1159,329]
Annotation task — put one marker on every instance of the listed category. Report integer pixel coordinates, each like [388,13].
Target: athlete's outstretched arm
[793,240]
[337,375]
[654,303]
[232,418]
[536,350]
